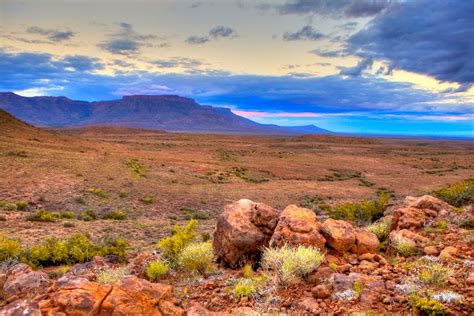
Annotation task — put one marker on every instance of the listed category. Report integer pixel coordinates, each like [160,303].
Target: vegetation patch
[136,167]
[427,306]
[196,214]
[117,215]
[155,270]
[87,216]
[98,192]
[111,275]
[315,203]
[242,173]
[42,216]
[181,237]
[148,199]
[361,212]
[197,257]
[458,194]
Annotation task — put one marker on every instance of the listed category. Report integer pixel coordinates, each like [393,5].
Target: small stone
[430,251]
[470,279]
[321,291]
[367,256]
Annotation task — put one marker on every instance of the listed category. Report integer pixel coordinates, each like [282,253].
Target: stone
[297,226]
[366,242]
[418,240]
[21,308]
[427,202]
[321,291]
[367,266]
[367,256]
[449,253]
[21,282]
[431,251]
[320,275]
[309,304]
[243,228]
[408,218]
[342,282]
[470,279]
[340,235]
[371,292]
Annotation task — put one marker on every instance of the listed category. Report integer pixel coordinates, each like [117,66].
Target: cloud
[221,31]
[197,40]
[52,35]
[307,33]
[358,69]
[329,53]
[348,8]
[178,62]
[126,41]
[430,37]
[82,63]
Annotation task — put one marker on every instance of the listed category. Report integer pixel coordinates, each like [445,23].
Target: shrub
[79,200]
[205,236]
[148,199]
[10,207]
[67,215]
[21,205]
[434,274]
[404,247]
[42,216]
[180,238]
[122,194]
[193,214]
[291,264]
[248,271]
[110,245]
[458,194]
[111,276]
[136,166]
[155,270]
[87,215]
[196,257]
[381,228]
[249,287]
[9,248]
[427,306]
[118,215]
[361,212]
[98,192]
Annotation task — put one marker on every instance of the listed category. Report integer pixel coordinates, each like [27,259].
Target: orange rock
[340,235]
[297,226]
[408,218]
[427,202]
[366,242]
[23,282]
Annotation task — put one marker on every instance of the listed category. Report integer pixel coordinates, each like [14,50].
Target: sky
[352,66]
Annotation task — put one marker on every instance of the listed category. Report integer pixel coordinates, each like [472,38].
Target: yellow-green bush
[111,275]
[42,216]
[180,238]
[434,274]
[148,199]
[155,270]
[21,205]
[67,215]
[110,245]
[361,212]
[196,257]
[457,194]
[291,263]
[118,215]
[87,215]
[98,192]
[249,286]
[9,248]
[428,306]
[404,247]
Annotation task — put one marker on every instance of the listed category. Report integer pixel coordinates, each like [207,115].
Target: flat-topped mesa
[168,97]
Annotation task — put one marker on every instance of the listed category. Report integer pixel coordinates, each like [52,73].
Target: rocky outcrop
[427,202]
[298,226]
[21,281]
[366,242]
[243,228]
[340,235]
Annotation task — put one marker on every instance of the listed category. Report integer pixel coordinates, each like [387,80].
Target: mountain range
[161,112]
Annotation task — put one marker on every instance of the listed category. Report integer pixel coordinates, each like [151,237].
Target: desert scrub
[9,248]
[181,237]
[21,205]
[361,212]
[136,167]
[434,274]
[87,215]
[111,275]
[118,215]
[193,214]
[381,228]
[155,270]
[42,216]
[427,306]
[291,264]
[249,286]
[315,203]
[404,247]
[98,192]
[196,257]
[67,215]
[148,199]
[457,194]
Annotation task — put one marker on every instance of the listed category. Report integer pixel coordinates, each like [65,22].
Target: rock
[470,279]
[427,202]
[367,266]
[340,235]
[321,291]
[366,242]
[22,282]
[408,218]
[243,228]
[297,226]
[367,256]
[371,292]
[197,309]
[138,264]
[309,304]
[418,240]
[342,282]
[431,251]
[243,311]
[449,253]
[21,308]
[320,275]
[86,270]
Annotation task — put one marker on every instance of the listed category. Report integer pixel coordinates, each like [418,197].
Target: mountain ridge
[157,112]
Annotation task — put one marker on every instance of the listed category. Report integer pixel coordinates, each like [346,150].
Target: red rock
[309,304]
[431,251]
[418,240]
[408,218]
[449,253]
[320,275]
[367,256]
[243,228]
[366,242]
[371,292]
[21,308]
[23,282]
[427,202]
[342,282]
[470,279]
[298,226]
[340,235]
[321,291]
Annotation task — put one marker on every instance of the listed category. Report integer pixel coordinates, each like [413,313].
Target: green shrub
[118,215]
[21,205]
[434,274]
[155,270]
[67,215]
[196,257]
[42,216]
[110,245]
[248,287]
[193,214]
[136,166]
[291,264]
[9,248]
[248,271]
[205,236]
[87,216]
[122,194]
[457,194]
[404,247]
[381,228]
[111,276]
[10,207]
[361,212]
[427,306]
[180,238]
[148,199]
[98,192]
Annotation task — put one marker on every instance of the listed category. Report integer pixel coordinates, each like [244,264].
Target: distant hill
[163,112]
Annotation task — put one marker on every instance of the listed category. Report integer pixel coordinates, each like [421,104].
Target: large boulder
[243,228]
[427,202]
[408,218]
[417,241]
[340,235]
[297,226]
[366,242]
[21,282]
[21,308]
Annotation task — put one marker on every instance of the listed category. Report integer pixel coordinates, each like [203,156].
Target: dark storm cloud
[197,40]
[429,37]
[126,41]
[307,33]
[348,8]
[358,69]
[221,31]
[52,35]
[82,63]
